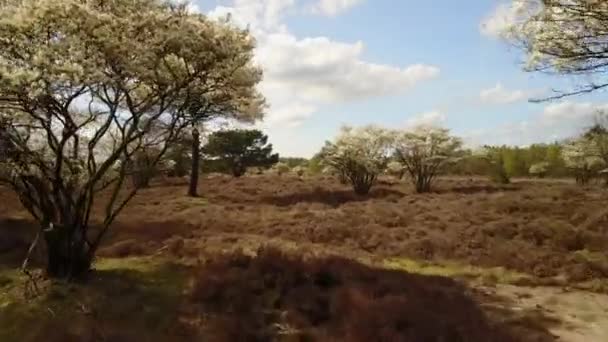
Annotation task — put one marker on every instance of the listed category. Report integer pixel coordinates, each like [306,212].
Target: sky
[397,64]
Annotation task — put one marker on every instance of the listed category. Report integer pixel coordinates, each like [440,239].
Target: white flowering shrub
[539,169]
[359,155]
[300,171]
[581,156]
[395,169]
[281,168]
[425,151]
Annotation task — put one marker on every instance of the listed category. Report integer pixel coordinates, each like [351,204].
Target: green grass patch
[493,275]
[130,298]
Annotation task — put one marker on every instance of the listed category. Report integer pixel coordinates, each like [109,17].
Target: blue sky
[398,64]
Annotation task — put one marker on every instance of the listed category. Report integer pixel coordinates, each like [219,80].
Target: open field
[527,261]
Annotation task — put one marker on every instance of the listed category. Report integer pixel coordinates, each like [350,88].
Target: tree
[237,150]
[598,137]
[178,157]
[580,155]
[539,169]
[425,152]
[359,155]
[281,168]
[566,37]
[85,86]
[495,158]
[143,167]
[294,162]
[395,169]
[300,171]
[236,97]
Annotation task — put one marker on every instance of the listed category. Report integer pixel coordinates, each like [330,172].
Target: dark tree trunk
[238,167]
[68,256]
[238,171]
[362,188]
[423,184]
[141,179]
[194,172]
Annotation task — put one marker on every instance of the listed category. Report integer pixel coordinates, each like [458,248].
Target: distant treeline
[517,161]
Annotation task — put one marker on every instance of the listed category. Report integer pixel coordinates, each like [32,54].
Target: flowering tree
[395,169]
[86,85]
[235,97]
[580,155]
[564,37]
[539,169]
[281,168]
[425,151]
[359,155]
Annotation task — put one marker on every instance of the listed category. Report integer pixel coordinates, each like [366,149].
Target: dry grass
[284,297]
[539,229]
[550,233]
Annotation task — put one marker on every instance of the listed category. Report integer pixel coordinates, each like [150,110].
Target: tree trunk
[423,185]
[68,256]
[194,172]
[238,171]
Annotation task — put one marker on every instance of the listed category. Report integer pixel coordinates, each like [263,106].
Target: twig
[29,253]
[32,280]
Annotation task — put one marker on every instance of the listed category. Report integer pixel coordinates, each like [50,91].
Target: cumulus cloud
[320,69]
[334,7]
[303,74]
[291,115]
[432,118]
[261,15]
[557,121]
[500,95]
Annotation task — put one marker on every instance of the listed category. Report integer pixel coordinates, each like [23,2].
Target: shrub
[143,168]
[495,158]
[281,168]
[359,155]
[299,171]
[581,156]
[263,298]
[539,169]
[395,169]
[425,152]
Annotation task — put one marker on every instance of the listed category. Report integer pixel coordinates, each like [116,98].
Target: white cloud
[291,115]
[322,70]
[432,118]
[500,95]
[557,121]
[334,7]
[260,15]
[303,74]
